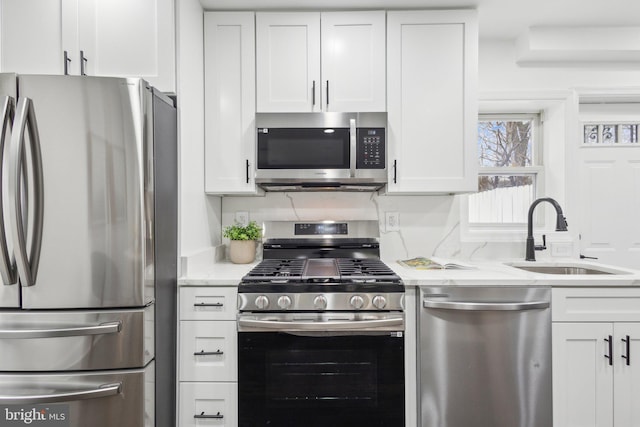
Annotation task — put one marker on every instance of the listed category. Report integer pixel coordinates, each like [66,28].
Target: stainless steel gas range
[321,330]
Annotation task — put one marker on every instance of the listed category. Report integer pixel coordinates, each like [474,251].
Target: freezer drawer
[123,398]
[76,340]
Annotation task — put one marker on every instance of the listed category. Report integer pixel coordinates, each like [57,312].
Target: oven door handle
[347,325]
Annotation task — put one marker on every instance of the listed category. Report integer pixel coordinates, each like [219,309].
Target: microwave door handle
[7,265]
[353,137]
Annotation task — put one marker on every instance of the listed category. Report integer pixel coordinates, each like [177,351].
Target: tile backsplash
[428,225]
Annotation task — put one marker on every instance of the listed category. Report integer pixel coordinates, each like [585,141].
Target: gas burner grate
[274,269]
[361,268]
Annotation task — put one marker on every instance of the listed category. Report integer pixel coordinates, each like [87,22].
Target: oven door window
[290,380]
[288,148]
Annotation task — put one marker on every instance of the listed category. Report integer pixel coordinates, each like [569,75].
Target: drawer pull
[627,356]
[203,415]
[209,353]
[204,304]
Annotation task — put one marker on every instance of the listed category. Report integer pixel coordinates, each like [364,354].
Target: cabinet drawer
[208,404]
[208,303]
[595,304]
[208,351]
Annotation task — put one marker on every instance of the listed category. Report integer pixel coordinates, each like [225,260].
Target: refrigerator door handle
[7,264]
[27,265]
[104,390]
[102,329]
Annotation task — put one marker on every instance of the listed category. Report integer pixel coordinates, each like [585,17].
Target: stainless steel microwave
[321,151]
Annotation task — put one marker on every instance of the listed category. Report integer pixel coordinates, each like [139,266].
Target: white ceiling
[503,19]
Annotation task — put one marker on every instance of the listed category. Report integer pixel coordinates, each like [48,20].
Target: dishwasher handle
[485,306]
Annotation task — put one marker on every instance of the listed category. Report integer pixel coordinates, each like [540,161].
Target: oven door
[321,370]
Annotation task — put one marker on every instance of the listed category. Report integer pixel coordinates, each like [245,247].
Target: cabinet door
[34,35]
[627,374]
[353,61]
[288,61]
[230,130]
[582,376]
[432,63]
[208,404]
[129,38]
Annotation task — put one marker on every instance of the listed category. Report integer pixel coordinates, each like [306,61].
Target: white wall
[199,214]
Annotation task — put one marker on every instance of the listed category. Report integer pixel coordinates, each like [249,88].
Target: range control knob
[320,302]
[262,302]
[379,302]
[356,301]
[284,302]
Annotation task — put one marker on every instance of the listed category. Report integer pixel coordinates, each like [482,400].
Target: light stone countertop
[498,273]
[485,273]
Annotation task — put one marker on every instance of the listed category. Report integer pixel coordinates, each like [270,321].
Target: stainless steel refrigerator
[88,241]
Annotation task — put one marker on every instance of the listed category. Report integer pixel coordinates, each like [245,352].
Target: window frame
[509,232]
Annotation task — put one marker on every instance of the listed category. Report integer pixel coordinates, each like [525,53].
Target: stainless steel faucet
[561,225]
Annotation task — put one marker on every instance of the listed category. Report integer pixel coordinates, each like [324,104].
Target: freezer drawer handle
[104,390]
[101,329]
[218,416]
[482,306]
[209,353]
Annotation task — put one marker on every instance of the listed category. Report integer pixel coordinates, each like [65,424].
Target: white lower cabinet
[208,404]
[596,363]
[207,357]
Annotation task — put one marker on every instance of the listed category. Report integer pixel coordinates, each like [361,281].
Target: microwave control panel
[370,148]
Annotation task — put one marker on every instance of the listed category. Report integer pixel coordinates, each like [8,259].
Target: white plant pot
[242,251]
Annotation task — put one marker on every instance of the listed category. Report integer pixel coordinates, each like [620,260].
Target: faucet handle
[544,244]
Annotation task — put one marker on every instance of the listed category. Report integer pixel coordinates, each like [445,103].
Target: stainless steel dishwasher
[485,356]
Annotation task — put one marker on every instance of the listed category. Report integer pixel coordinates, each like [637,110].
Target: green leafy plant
[250,231]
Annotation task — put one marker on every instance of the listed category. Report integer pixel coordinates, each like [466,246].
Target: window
[611,134]
[509,149]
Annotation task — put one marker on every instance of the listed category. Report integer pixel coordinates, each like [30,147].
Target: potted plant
[242,248]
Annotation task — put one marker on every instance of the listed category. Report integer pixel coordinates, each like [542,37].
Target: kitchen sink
[564,269]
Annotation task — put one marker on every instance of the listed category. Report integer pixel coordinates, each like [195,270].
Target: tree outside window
[508,169]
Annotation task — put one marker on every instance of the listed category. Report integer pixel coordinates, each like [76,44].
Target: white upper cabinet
[120,38]
[288,61]
[310,61]
[353,61]
[230,129]
[129,38]
[432,66]
[34,35]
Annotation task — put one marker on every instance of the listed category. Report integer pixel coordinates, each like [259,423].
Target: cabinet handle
[204,304]
[313,94]
[610,355]
[66,63]
[203,415]
[327,93]
[209,353]
[83,61]
[395,171]
[247,164]
[627,356]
